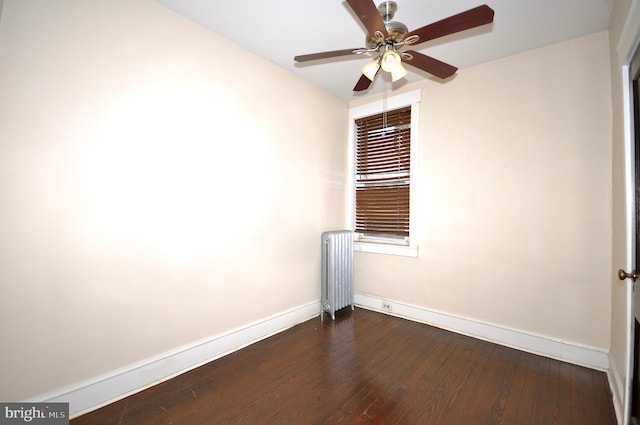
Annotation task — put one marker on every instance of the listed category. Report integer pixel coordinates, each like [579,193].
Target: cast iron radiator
[337,271]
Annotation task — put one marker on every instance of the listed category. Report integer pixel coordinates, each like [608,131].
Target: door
[634,396]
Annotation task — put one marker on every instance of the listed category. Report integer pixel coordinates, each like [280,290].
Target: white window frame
[384,245]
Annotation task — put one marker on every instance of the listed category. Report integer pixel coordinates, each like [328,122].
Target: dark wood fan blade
[472,18]
[325,55]
[369,16]
[363,83]
[429,64]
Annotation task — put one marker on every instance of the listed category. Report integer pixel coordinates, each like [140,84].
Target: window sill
[377,248]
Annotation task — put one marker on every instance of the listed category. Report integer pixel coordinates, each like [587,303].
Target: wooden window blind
[383,162]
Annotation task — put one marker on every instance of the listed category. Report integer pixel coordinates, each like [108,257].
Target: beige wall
[515,197]
[151,196]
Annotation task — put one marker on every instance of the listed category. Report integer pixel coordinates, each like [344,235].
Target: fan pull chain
[385,94]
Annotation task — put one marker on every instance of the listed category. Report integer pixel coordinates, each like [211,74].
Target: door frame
[627,44]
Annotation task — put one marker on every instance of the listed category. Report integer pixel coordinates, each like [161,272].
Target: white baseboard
[568,351]
[114,386]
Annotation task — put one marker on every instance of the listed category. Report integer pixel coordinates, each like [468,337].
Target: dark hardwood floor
[370,368]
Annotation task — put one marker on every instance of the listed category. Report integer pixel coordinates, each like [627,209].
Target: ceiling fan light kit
[386,39]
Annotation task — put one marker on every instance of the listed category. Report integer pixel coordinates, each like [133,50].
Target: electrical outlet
[386,306]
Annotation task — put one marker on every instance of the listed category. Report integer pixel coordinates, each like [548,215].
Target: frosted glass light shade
[371,69]
[390,60]
[398,72]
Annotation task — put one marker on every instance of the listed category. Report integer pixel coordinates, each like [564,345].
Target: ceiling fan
[386,39]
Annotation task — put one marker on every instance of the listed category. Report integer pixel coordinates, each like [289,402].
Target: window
[383,161]
[384,140]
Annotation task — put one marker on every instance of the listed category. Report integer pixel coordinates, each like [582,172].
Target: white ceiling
[278,30]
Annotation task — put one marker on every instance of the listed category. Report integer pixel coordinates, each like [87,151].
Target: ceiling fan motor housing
[396,30]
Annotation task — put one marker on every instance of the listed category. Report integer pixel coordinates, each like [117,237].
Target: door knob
[622,275]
